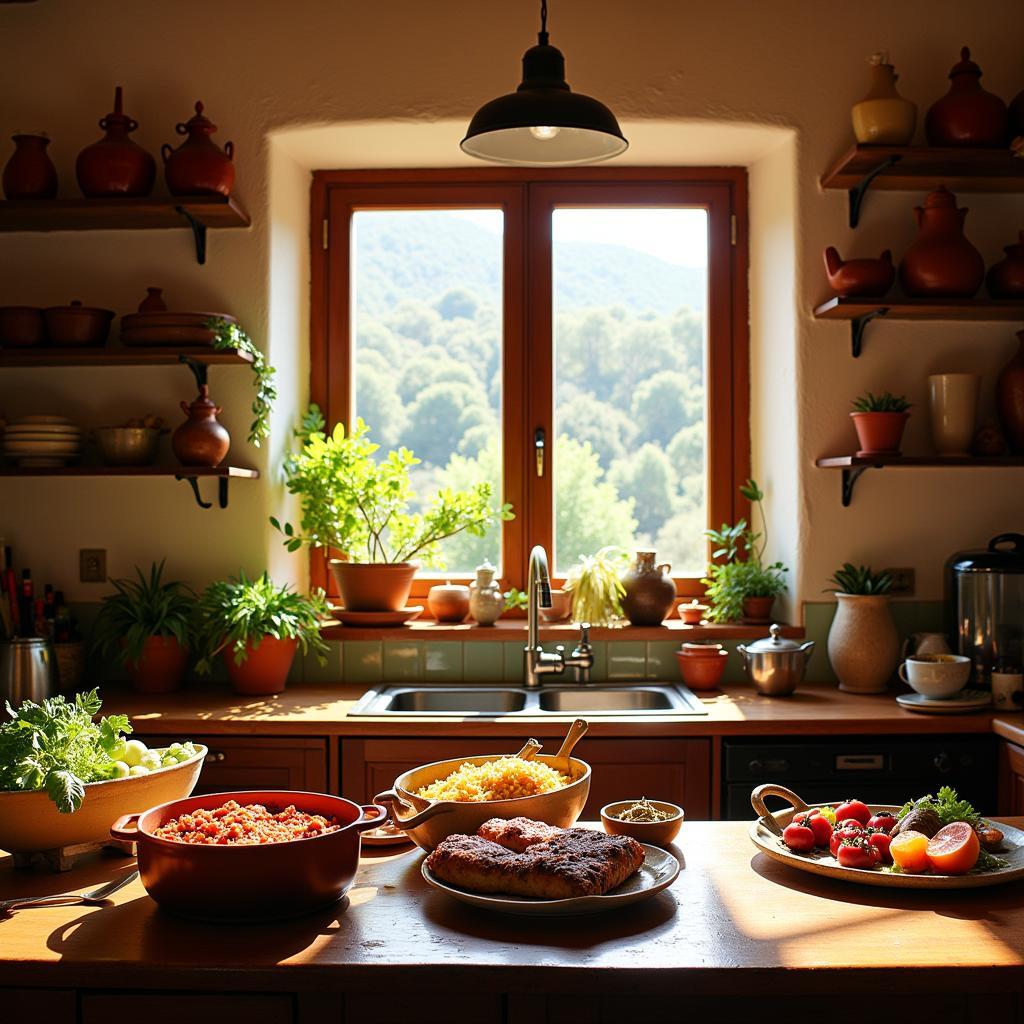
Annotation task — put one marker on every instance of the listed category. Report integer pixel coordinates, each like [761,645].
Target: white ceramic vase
[953,400]
[863,645]
[486,601]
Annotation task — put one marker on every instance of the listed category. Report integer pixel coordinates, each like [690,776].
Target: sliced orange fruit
[909,850]
[954,850]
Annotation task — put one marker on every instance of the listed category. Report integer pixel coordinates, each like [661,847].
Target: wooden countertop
[737,711]
[730,916]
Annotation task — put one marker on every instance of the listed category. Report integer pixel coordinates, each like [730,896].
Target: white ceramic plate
[965,700]
[823,863]
[659,870]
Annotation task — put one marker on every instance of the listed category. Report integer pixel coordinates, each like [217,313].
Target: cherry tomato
[853,809]
[883,820]
[880,841]
[798,837]
[822,830]
[863,855]
[954,850]
[846,831]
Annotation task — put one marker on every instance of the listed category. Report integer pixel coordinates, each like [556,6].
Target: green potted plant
[257,627]
[863,644]
[359,506]
[742,586]
[596,588]
[147,627]
[879,421]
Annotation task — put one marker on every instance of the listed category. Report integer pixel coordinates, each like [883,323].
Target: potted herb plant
[360,507]
[596,588]
[257,627]
[742,586]
[863,645]
[879,421]
[147,627]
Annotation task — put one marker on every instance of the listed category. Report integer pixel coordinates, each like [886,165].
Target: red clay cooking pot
[249,883]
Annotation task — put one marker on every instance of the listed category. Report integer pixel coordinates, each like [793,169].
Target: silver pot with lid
[774,664]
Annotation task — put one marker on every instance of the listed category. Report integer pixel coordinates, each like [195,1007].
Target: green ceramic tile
[627,659]
[599,670]
[483,662]
[362,661]
[442,661]
[403,661]
[514,662]
[328,673]
[661,660]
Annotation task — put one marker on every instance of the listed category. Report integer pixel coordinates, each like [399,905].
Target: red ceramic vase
[879,433]
[1010,398]
[201,440]
[1005,279]
[198,166]
[160,667]
[30,173]
[941,261]
[967,115]
[266,667]
[115,166]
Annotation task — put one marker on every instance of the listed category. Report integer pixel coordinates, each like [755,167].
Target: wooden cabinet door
[676,770]
[253,762]
[54,1006]
[171,1007]
[1011,779]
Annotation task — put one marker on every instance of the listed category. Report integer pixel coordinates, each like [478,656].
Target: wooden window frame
[527,197]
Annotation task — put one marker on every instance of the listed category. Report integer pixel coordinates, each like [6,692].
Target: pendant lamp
[543,123]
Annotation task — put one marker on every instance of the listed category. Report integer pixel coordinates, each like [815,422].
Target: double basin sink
[469,701]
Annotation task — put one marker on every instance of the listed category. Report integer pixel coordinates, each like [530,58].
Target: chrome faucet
[538,661]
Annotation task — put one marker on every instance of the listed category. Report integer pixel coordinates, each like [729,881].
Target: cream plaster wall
[303,84]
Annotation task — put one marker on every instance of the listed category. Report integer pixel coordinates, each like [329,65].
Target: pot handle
[1016,539]
[665,567]
[121,830]
[766,816]
[373,815]
[391,798]
[744,654]
[165,151]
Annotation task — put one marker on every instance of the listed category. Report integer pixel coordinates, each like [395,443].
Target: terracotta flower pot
[266,667]
[879,433]
[757,609]
[161,666]
[371,587]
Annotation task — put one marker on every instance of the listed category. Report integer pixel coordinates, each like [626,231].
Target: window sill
[514,631]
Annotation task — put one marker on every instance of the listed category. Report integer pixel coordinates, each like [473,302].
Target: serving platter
[659,870]
[766,834]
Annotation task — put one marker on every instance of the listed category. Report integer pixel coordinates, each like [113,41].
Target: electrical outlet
[903,582]
[92,565]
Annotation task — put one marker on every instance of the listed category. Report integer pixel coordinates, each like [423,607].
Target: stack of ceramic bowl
[42,441]
[702,665]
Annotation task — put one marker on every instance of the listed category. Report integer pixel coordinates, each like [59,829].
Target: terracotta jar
[198,166]
[153,302]
[201,440]
[967,115]
[883,117]
[1005,279]
[650,592]
[30,173]
[1010,398]
[115,166]
[448,602]
[486,601]
[863,645]
[941,261]
[860,276]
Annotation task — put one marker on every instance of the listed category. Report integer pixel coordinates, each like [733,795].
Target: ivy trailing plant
[859,580]
[360,506]
[739,570]
[228,335]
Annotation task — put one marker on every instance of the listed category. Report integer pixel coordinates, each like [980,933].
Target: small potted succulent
[879,421]
[147,627]
[257,626]
[359,506]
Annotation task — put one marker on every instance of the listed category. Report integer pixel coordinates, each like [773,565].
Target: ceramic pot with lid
[198,166]
[115,165]
[774,664]
[30,173]
[448,602]
[486,601]
[201,440]
[967,115]
[77,324]
[941,261]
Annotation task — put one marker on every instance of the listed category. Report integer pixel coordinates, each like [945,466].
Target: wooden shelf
[922,169]
[861,311]
[852,466]
[116,356]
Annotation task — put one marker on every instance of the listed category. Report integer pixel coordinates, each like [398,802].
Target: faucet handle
[584,634]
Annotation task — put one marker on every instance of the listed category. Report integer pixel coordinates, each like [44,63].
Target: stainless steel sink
[482,701]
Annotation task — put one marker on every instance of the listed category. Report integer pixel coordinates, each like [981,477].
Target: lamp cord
[542,36]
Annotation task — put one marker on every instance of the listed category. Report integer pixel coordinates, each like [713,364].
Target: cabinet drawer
[173,1007]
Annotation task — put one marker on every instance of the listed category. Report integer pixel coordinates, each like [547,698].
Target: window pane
[630,302]
[427,329]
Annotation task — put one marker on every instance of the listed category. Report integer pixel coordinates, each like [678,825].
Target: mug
[1008,691]
[936,676]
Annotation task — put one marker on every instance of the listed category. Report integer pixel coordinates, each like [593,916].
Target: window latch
[538,449]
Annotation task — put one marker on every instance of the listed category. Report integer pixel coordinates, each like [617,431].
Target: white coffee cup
[1008,691]
[936,676]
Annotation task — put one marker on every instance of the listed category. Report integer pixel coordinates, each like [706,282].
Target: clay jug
[1010,398]
[1005,279]
[941,261]
[863,645]
[153,302]
[198,166]
[30,173]
[486,601]
[967,115]
[201,440]
[115,166]
[650,592]
[883,117]
[848,278]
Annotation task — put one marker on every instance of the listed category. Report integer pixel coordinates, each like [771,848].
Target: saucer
[965,700]
[385,835]
[399,618]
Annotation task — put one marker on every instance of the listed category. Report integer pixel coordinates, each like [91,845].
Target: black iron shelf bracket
[858,191]
[850,478]
[198,233]
[199,370]
[222,490]
[857,325]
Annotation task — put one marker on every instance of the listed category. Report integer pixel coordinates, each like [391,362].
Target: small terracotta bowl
[700,672]
[657,833]
[692,614]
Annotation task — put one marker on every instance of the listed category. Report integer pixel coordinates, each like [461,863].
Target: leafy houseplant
[859,580]
[257,627]
[742,586]
[879,421]
[596,588]
[228,335]
[360,507]
[147,626]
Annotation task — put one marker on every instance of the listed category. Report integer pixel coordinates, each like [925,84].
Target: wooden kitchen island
[737,936]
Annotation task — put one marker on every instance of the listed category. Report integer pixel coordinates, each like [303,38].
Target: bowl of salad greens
[66,775]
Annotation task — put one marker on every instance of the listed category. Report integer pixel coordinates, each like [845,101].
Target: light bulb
[544,132]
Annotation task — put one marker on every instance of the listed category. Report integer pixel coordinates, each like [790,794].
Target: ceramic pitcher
[650,591]
[486,601]
[115,165]
[883,117]
[941,261]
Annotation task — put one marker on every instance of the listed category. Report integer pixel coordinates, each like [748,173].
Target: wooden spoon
[560,761]
[530,747]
